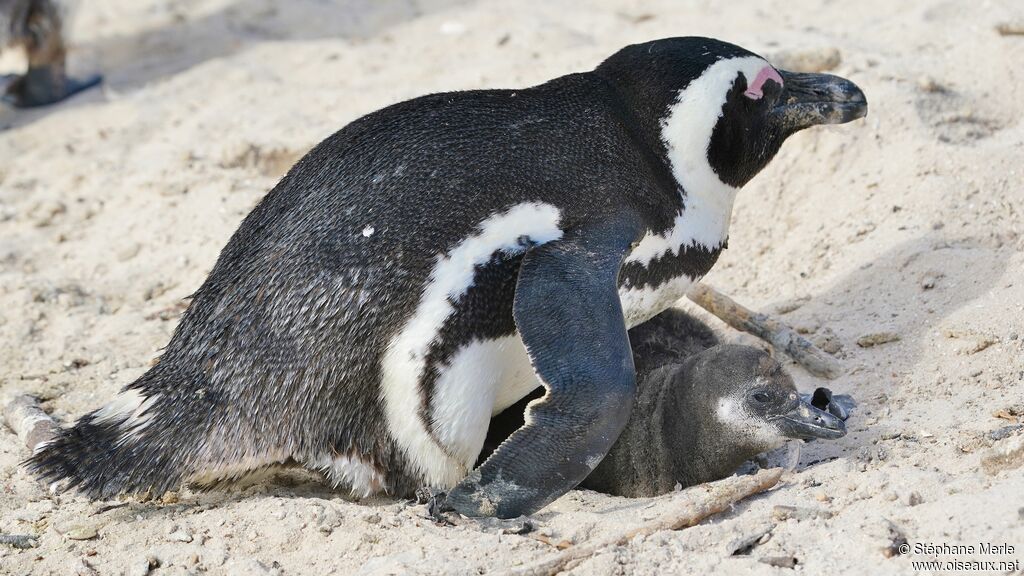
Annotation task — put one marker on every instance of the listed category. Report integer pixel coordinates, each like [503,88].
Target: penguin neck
[702,223]
[705,202]
[686,131]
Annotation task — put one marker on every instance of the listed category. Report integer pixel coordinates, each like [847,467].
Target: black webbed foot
[437,505]
[44,85]
[839,405]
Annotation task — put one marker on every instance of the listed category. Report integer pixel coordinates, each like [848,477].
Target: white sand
[114,206]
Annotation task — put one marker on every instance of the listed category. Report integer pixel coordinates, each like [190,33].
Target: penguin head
[719,113]
[751,402]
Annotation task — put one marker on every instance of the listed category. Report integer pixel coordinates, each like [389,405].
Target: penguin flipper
[568,313]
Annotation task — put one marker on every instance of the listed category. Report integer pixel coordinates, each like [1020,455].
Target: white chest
[641,304]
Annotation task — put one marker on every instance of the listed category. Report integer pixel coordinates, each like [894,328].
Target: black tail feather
[95,459]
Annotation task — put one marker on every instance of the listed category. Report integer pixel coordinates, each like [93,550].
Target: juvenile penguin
[37,26]
[435,261]
[702,409]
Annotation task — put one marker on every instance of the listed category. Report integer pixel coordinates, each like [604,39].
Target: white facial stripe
[687,132]
[127,411]
[732,412]
[452,275]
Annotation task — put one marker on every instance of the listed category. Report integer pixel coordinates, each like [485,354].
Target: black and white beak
[805,422]
[812,99]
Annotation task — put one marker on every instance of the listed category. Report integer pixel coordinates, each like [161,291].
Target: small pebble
[1015,28]
[180,536]
[914,499]
[780,561]
[1007,454]
[797,513]
[929,84]
[877,338]
[142,566]
[828,341]
[128,251]
[929,280]
[81,533]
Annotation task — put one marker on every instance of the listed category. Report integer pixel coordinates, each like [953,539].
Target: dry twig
[766,327]
[33,426]
[684,509]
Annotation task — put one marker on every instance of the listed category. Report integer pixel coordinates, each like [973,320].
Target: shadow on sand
[129,62]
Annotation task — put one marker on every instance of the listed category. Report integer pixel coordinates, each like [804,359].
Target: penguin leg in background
[839,405]
[568,314]
[45,81]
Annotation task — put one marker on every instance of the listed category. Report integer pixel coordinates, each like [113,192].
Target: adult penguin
[435,261]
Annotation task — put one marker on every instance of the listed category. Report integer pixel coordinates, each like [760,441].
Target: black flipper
[568,313]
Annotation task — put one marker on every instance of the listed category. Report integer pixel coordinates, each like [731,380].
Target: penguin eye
[761,397]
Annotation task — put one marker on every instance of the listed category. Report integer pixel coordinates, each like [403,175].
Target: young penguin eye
[761,397]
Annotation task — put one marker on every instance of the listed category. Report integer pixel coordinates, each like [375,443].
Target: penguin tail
[107,453]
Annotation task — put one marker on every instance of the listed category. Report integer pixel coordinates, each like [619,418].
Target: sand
[113,208]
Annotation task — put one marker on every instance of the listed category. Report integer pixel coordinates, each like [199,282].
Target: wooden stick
[768,328]
[33,426]
[687,508]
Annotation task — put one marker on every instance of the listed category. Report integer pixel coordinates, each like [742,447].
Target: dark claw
[44,85]
[437,505]
[519,529]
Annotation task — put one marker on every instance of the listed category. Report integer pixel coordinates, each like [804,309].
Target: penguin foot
[44,85]
[438,508]
[839,405]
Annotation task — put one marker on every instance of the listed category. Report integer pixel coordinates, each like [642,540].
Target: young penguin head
[719,113]
[746,403]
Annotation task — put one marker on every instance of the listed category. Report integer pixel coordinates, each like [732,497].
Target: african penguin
[435,261]
[701,410]
[37,26]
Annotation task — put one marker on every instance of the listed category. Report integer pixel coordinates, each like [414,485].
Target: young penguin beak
[812,99]
[805,422]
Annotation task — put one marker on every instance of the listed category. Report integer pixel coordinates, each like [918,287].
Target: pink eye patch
[755,90]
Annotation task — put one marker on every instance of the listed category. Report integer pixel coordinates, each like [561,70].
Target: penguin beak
[805,422]
[812,99]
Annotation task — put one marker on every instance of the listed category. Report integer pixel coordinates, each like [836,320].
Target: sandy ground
[114,206]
